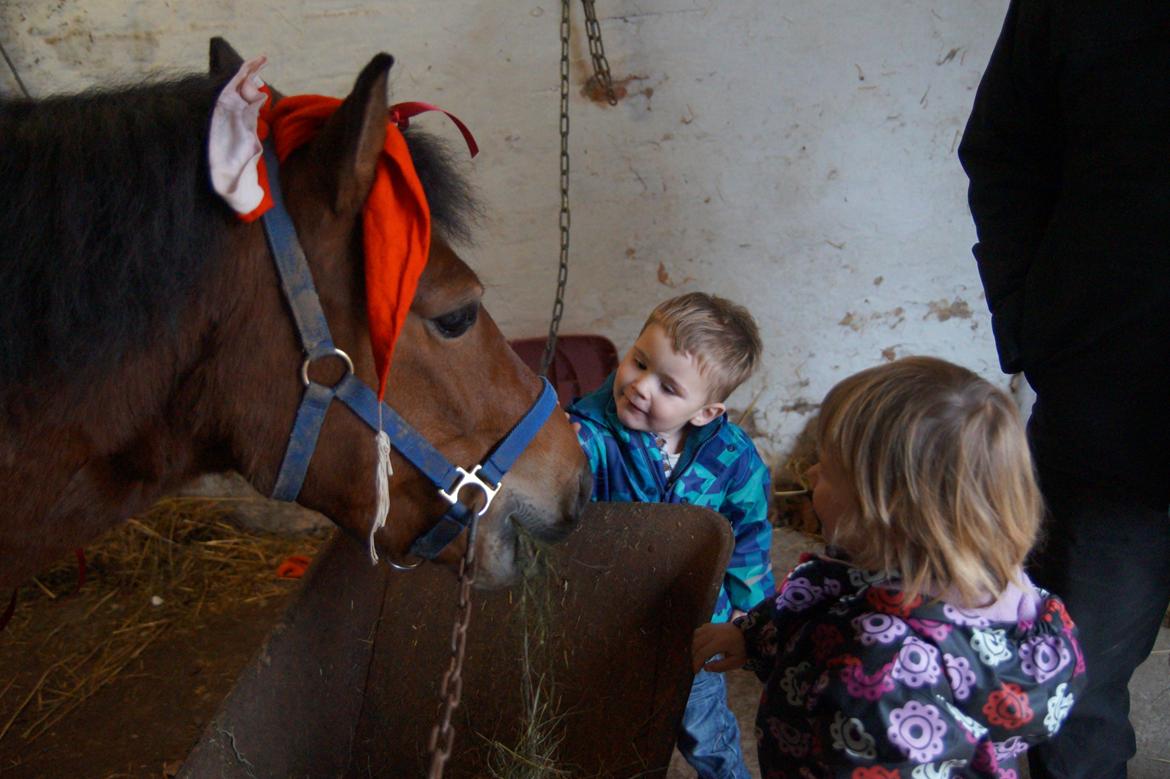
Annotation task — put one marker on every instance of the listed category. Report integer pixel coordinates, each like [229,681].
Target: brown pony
[144,338]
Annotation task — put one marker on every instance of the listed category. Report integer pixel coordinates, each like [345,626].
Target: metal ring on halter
[334,352]
[404,568]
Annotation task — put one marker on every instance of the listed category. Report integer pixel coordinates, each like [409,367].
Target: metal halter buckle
[471,480]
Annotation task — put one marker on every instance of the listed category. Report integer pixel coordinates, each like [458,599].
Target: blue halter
[297,282]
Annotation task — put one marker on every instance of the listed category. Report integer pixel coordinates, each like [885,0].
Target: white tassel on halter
[382,474]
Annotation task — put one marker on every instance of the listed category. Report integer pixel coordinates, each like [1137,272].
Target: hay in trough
[165,571]
[534,754]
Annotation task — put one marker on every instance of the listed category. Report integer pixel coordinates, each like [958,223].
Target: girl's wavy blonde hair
[945,492]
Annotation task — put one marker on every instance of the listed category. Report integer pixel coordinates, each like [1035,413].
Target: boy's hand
[710,640]
[575,425]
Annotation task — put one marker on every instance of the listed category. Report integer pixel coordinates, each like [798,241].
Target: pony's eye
[455,323]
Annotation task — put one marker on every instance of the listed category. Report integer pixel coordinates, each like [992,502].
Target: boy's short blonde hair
[939,464]
[720,334]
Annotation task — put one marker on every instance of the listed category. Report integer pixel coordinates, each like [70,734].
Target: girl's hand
[710,640]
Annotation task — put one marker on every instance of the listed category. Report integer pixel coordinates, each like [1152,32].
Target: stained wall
[796,156]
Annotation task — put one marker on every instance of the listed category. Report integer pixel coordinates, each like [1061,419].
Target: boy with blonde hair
[656,431]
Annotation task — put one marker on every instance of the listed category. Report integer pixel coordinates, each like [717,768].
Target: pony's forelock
[454,207]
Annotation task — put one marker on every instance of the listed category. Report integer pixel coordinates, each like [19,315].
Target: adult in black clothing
[1068,154]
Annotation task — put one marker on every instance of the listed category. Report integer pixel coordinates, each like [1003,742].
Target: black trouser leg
[1108,556]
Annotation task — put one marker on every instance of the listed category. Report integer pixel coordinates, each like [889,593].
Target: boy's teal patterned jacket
[719,468]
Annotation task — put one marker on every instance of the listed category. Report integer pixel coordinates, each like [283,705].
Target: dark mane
[454,208]
[107,221]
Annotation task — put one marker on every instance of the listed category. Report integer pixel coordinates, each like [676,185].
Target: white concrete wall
[796,156]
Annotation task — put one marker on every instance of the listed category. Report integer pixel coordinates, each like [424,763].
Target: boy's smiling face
[659,390]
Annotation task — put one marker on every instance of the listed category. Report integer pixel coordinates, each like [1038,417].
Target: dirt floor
[162,698]
[118,679]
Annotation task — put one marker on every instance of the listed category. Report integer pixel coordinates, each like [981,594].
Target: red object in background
[293,567]
[580,364]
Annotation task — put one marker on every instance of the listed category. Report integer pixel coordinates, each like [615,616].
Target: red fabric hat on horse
[396,218]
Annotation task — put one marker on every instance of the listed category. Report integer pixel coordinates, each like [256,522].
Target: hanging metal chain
[15,72]
[597,51]
[451,687]
[602,74]
[550,345]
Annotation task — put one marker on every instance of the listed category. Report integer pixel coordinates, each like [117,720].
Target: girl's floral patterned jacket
[861,684]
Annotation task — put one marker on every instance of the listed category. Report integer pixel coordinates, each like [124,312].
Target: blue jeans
[709,736]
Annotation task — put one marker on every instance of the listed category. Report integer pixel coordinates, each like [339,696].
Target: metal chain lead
[451,688]
[602,74]
[15,72]
[597,51]
[550,344]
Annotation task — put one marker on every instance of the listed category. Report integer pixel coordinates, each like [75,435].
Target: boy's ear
[707,413]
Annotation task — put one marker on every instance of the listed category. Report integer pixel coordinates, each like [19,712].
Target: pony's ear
[353,137]
[223,60]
